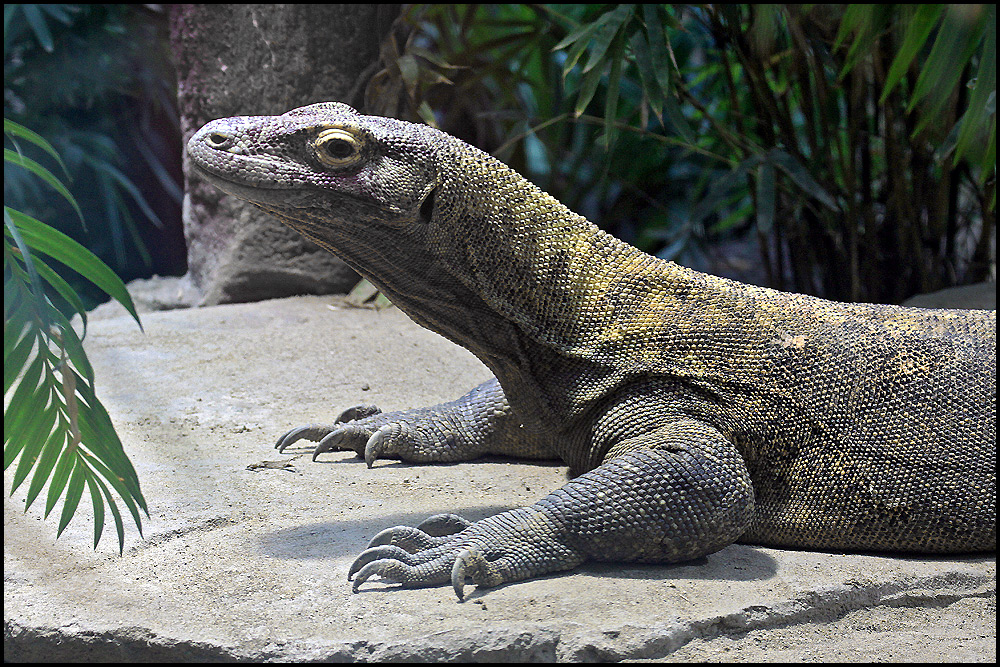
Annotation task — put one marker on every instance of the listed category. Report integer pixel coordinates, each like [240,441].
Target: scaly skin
[696,410]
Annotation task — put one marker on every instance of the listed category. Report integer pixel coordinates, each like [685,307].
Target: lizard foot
[479,422]
[445,548]
[412,435]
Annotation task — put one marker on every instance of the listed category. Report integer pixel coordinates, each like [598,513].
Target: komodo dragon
[694,411]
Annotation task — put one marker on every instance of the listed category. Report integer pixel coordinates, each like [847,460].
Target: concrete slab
[249,562]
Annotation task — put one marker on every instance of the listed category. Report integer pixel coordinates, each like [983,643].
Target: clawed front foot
[507,547]
[460,430]
[352,430]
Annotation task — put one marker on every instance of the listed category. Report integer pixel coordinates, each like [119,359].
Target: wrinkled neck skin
[503,269]
[538,293]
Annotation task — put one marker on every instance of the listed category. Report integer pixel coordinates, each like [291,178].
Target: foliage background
[96,81]
[853,146]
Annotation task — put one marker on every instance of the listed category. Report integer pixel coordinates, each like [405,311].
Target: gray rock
[246,551]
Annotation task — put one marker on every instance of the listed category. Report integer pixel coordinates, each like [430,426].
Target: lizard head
[320,168]
[455,238]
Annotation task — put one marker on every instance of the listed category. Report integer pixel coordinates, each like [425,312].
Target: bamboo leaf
[677,120]
[658,50]
[590,82]
[986,82]
[33,14]
[614,85]
[579,47]
[956,41]
[801,177]
[647,75]
[605,35]
[917,32]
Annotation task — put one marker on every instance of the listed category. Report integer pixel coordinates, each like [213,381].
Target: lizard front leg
[669,495]
[480,422]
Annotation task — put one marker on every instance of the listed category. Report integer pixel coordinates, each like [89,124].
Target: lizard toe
[407,538]
[443,524]
[357,412]
[345,436]
[381,552]
[313,432]
[470,563]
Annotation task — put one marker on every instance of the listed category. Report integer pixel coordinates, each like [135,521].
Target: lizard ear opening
[427,207]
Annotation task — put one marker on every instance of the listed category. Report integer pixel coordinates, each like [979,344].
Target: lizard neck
[557,279]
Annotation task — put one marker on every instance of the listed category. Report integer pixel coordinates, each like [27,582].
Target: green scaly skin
[695,411]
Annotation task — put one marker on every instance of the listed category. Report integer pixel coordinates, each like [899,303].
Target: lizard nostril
[218,139]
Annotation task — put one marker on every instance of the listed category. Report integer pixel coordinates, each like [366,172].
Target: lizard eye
[337,148]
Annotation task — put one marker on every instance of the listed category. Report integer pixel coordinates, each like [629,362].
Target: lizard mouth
[262,191]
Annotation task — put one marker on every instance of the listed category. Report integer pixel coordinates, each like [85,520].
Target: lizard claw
[357,412]
[322,433]
[340,438]
[443,524]
[312,432]
[383,552]
[408,539]
[471,563]
[381,442]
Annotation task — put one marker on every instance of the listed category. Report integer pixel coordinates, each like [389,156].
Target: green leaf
[44,174]
[43,466]
[34,437]
[801,177]
[119,526]
[677,120]
[614,84]
[957,40]
[23,401]
[28,441]
[591,80]
[73,494]
[917,32]
[59,478]
[97,502]
[18,130]
[986,83]
[64,289]
[38,26]
[34,282]
[647,74]
[605,35]
[579,47]
[123,491]
[62,248]
[658,42]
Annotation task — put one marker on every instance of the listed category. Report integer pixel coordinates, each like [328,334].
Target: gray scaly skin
[694,410]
